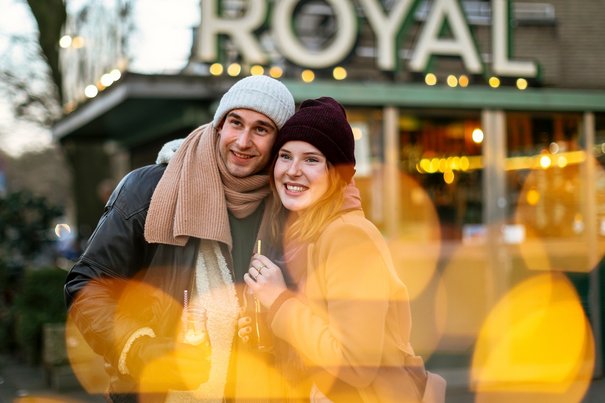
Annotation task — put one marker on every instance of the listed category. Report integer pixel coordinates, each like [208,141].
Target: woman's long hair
[307,225]
[294,232]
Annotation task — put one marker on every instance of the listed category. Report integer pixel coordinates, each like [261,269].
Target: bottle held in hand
[260,335]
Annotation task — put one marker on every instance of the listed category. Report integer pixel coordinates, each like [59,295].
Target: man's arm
[115,253]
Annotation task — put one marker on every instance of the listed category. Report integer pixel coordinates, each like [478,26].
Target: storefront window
[599,150]
[438,246]
[552,194]
[442,153]
[438,152]
[599,183]
[368,131]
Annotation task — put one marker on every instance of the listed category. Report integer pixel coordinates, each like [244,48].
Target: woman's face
[301,175]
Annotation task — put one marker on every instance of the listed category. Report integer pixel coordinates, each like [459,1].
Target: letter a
[461,44]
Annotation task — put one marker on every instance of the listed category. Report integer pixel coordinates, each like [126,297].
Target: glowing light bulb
[430,79]
[307,76]
[478,136]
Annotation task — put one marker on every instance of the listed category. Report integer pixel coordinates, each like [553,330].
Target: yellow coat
[351,319]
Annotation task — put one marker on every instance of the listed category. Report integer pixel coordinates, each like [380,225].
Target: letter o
[291,47]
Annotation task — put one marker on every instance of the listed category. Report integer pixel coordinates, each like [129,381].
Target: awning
[140,107]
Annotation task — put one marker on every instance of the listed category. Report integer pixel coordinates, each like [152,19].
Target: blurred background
[480,142]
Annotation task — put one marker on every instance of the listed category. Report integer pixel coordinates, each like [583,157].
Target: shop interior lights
[434,165]
[477,136]
[544,160]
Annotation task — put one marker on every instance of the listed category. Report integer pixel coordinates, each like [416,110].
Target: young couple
[180,236]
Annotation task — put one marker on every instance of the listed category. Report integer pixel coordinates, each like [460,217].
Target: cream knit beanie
[261,94]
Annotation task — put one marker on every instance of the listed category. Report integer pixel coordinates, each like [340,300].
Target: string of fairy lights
[339,73]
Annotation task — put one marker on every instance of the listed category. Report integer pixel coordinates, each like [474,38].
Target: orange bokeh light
[536,345]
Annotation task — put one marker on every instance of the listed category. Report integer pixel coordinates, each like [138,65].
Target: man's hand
[160,364]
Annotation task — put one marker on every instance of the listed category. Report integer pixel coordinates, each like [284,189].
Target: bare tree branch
[50,16]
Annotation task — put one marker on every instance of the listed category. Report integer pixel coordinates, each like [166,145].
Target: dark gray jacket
[117,258]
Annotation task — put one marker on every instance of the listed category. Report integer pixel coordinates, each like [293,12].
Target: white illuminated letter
[295,51]
[386,29]
[461,44]
[240,30]
[500,38]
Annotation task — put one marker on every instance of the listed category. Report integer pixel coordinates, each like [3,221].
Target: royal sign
[388,28]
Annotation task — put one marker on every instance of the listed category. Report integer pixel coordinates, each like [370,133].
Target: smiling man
[245,142]
[177,238]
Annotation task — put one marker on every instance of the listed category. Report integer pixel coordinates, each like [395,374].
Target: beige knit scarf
[195,192]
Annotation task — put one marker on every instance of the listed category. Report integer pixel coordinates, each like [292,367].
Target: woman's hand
[265,279]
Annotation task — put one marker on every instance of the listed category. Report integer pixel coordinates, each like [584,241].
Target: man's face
[246,139]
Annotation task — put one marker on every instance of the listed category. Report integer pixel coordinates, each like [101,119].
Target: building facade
[480,141]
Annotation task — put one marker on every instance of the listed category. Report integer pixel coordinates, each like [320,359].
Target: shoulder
[351,244]
[349,230]
[146,176]
[134,191]
[354,239]
[351,223]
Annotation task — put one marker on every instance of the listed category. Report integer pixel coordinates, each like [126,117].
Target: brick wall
[572,51]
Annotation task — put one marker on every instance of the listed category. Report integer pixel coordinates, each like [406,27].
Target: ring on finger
[261,268]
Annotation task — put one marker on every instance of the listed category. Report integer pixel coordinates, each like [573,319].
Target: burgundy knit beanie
[323,123]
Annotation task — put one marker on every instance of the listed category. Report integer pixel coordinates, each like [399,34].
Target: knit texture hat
[261,94]
[323,123]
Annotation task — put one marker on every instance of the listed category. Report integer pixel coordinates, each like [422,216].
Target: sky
[160,44]
[163,40]
[17,136]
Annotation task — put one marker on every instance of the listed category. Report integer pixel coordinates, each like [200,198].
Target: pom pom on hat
[262,94]
[323,123]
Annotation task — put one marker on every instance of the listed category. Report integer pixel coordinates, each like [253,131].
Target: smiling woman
[301,175]
[343,322]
